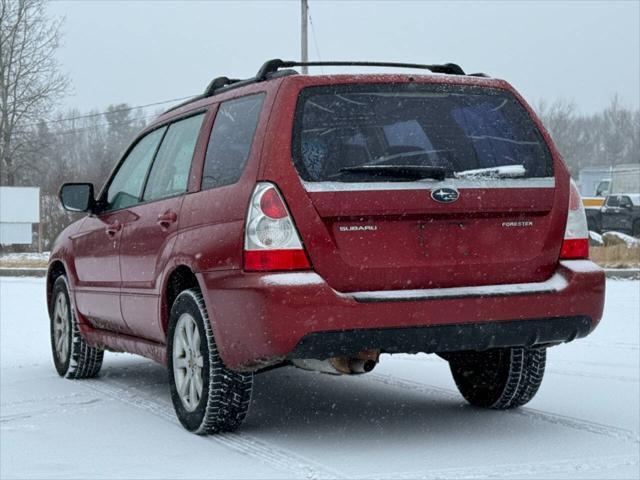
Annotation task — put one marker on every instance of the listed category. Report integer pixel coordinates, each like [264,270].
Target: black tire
[499,379]
[225,394]
[635,231]
[79,359]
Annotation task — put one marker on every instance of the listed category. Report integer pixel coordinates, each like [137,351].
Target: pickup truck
[620,212]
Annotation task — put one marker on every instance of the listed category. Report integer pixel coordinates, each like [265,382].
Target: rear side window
[170,172]
[625,202]
[454,128]
[230,141]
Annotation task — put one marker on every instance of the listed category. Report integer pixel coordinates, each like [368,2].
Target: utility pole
[304,11]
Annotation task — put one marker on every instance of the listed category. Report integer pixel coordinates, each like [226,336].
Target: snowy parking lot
[404,420]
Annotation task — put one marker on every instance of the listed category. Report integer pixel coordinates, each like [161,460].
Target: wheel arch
[180,278]
[56,269]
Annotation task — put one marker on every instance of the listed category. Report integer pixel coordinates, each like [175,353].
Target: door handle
[167,218]
[113,228]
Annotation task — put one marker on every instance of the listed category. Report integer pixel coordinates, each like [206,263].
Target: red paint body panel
[145,250]
[264,316]
[97,265]
[119,279]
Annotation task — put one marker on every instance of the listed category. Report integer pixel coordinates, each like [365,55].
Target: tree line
[607,138]
[82,149]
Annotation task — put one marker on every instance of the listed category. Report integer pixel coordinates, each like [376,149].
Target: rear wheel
[500,378]
[72,356]
[207,396]
[636,229]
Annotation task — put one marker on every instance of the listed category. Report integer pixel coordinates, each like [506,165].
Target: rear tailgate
[369,232]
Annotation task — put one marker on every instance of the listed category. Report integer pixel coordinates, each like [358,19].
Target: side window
[170,172]
[613,201]
[126,186]
[625,202]
[230,141]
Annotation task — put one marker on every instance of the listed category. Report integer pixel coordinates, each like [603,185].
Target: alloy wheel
[187,362]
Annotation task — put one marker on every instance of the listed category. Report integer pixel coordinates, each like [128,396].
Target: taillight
[576,234]
[271,241]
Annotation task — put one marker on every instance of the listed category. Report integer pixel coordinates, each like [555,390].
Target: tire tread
[524,373]
[229,394]
[85,361]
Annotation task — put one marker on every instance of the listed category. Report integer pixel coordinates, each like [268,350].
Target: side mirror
[77,197]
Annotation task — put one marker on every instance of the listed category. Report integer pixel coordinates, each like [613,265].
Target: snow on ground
[405,420]
[31,256]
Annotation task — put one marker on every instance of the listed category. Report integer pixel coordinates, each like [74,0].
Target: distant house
[19,210]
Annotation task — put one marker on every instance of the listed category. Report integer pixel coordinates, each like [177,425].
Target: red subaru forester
[319,221]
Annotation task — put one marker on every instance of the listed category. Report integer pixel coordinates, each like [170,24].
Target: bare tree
[604,139]
[30,79]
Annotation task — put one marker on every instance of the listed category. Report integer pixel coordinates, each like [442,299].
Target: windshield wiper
[503,171]
[413,172]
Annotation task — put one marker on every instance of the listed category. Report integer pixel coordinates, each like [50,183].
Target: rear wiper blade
[503,171]
[414,172]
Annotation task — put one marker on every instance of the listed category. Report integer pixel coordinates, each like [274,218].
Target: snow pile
[617,238]
[27,256]
[595,239]
[24,260]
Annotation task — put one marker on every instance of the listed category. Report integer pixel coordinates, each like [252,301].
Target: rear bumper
[444,338]
[261,319]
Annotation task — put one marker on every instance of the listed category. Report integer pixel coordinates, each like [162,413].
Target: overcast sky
[142,51]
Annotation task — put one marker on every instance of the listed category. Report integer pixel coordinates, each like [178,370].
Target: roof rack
[272,66]
[270,69]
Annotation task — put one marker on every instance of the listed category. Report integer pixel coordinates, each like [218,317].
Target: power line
[98,114]
[91,127]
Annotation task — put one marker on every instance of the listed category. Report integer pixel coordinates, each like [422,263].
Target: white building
[19,210]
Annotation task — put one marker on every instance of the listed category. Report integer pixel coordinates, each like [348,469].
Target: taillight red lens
[573,248]
[261,260]
[271,205]
[271,240]
[576,235]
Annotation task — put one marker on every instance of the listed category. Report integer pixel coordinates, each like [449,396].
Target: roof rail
[270,68]
[217,83]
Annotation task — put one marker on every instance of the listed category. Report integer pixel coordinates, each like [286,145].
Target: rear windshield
[360,133]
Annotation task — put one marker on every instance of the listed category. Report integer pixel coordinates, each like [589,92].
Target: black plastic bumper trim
[444,338]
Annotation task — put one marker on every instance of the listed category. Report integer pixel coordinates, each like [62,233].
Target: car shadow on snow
[298,404]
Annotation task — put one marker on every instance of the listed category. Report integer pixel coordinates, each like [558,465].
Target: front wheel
[72,356]
[499,379]
[207,396]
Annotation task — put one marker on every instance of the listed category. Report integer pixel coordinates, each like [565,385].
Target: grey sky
[143,51]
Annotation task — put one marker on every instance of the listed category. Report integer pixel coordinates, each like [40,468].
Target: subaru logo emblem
[445,195]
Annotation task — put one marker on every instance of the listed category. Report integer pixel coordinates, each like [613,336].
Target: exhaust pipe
[363,363]
[357,365]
